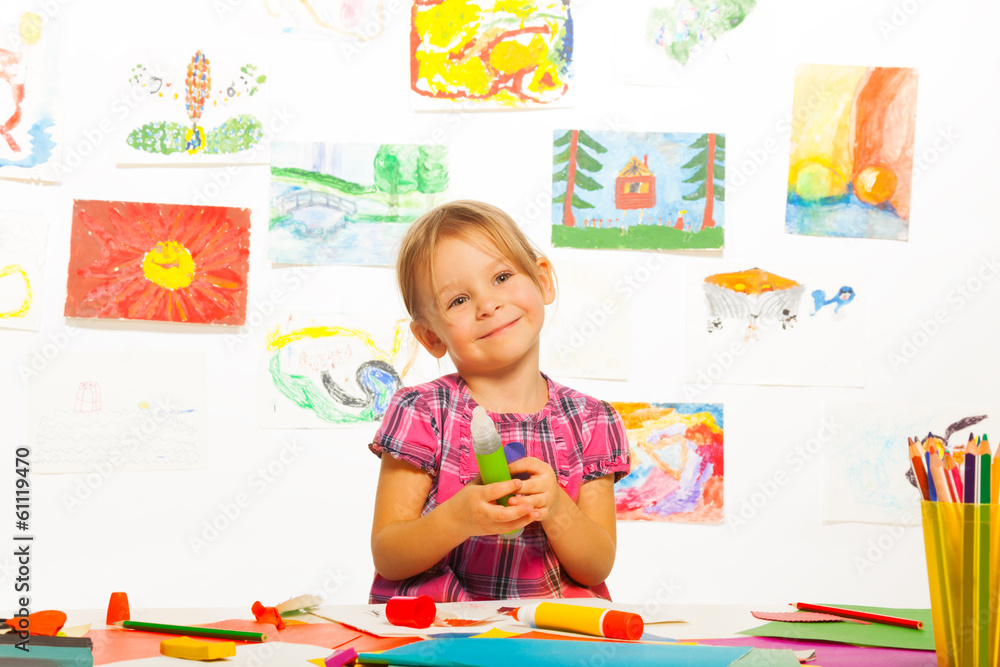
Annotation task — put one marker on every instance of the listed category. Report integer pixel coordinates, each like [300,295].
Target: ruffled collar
[469,403]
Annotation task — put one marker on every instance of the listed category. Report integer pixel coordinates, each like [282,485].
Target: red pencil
[862,615]
[917,462]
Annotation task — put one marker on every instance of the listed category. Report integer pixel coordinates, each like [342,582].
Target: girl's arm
[404,543]
[582,533]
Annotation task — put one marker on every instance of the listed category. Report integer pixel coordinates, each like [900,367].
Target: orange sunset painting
[165,262]
[851,160]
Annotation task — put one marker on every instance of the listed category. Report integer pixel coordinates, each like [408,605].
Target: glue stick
[584,620]
[490,455]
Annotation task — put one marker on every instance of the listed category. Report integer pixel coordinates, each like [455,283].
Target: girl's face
[486,314]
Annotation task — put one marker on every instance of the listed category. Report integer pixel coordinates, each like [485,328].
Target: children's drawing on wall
[174,263]
[588,334]
[685,27]
[22,253]
[851,163]
[342,203]
[638,190]
[357,20]
[199,107]
[30,98]
[753,326]
[121,409]
[491,54]
[867,476]
[677,463]
[327,370]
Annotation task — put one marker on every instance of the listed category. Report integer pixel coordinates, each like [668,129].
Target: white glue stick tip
[482,425]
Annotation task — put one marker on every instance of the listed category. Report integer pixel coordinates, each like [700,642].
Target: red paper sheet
[801,617]
[117,644]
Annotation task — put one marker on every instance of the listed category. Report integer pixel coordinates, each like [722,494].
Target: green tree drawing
[432,171]
[395,172]
[709,165]
[575,159]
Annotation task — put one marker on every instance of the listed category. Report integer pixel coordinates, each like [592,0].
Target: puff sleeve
[606,452]
[409,432]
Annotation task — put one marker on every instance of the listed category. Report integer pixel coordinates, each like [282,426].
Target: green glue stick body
[490,455]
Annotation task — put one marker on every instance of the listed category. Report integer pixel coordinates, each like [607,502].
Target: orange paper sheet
[117,644]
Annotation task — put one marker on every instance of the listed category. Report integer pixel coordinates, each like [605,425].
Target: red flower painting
[163,262]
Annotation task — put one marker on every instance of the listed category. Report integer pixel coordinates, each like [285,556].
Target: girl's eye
[457,301]
[503,277]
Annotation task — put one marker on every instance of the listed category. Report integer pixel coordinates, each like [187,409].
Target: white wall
[308,530]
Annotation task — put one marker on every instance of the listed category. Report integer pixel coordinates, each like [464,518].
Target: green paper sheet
[876,634]
[471,652]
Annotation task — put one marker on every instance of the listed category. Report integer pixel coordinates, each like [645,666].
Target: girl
[476,290]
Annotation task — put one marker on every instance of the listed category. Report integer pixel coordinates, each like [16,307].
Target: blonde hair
[468,220]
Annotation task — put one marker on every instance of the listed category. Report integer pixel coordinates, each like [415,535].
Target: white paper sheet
[31,149]
[131,410]
[160,124]
[776,337]
[22,253]
[588,331]
[866,460]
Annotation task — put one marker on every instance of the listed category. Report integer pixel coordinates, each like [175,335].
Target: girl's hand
[475,511]
[541,491]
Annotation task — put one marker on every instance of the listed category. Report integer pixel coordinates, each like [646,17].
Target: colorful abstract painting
[490,53]
[800,326]
[199,107]
[851,163]
[688,25]
[118,410]
[866,465]
[333,369]
[677,463]
[168,262]
[356,20]
[22,253]
[638,190]
[31,105]
[341,203]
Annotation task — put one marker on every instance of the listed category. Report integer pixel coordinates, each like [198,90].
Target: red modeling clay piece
[118,608]
[800,617]
[47,623]
[267,615]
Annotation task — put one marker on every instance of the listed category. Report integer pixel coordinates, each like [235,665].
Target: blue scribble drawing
[840,299]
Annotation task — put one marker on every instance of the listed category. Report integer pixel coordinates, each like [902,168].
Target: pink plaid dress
[427,426]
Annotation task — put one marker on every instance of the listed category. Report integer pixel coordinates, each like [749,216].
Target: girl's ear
[430,340]
[547,280]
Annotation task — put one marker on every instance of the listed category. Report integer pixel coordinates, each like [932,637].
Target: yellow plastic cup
[963,566]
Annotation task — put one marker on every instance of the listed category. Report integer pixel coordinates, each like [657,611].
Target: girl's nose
[488,305]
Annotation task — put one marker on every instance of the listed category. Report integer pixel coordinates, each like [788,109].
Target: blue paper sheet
[552,653]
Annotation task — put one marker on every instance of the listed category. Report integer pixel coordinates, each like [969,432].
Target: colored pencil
[969,469]
[995,478]
[984,471]
[951,470]
[917,463]
[192,630]
[863,615]
[940,480]
[931,490]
